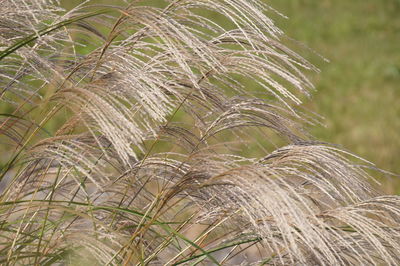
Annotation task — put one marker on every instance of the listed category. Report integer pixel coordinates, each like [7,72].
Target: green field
[358,91]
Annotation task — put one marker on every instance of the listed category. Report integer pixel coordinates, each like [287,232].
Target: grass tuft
[125,132]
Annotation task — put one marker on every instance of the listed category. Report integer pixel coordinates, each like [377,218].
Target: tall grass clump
[168,133]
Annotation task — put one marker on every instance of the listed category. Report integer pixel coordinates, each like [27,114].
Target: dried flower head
[126,132]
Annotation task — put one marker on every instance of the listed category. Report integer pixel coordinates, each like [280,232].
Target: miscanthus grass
[124,129]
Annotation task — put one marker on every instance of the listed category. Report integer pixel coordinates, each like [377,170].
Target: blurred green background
[358,91]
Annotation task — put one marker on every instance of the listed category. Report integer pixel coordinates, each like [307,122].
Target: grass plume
[124,129]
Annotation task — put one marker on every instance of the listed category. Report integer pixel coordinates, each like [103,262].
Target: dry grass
[144,163]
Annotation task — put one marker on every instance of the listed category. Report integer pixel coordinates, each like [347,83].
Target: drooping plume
[172,133]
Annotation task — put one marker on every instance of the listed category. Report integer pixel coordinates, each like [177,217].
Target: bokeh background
[358,91]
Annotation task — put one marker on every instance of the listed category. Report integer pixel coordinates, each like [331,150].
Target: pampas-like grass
[124,134]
